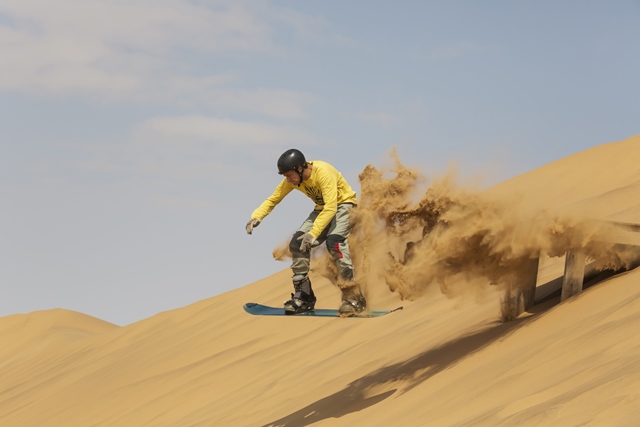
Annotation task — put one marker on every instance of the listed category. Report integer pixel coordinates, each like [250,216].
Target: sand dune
[445,360]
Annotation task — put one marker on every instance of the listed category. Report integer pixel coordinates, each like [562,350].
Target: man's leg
[338,245]
[303,298]
[353,301]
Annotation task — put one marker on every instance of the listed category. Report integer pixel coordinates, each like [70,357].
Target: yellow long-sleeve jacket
[326,187]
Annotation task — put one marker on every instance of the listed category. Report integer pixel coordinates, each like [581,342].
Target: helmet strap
[300,172]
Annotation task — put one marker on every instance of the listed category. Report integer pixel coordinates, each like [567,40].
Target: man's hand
[307,242]
[253,223]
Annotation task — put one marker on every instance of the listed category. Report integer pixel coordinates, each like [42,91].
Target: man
[329,223]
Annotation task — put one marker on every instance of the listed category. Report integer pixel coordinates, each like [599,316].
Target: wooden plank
[624,233]
[573,274]
[576,273]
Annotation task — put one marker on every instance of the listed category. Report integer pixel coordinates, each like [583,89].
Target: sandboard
[264,310]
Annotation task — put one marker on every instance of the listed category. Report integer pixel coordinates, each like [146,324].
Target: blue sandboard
[264,310]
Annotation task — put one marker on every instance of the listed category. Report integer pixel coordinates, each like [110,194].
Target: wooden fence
[521,296]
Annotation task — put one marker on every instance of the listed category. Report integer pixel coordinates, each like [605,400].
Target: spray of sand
[459,240]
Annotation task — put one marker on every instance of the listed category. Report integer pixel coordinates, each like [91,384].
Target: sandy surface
[447,359]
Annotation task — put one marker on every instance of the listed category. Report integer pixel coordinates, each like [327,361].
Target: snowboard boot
[353,302]
[303,299]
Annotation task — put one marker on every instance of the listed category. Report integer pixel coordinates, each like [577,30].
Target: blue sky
[138,136]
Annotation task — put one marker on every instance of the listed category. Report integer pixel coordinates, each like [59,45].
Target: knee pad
[299,279]
[347,274]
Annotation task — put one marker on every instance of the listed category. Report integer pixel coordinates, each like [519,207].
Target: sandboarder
[328,222]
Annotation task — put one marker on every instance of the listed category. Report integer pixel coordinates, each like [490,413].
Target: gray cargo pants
[334,235]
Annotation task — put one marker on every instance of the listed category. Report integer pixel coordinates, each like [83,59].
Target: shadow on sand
[365,392]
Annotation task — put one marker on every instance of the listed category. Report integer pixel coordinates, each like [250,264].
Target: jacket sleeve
[267,206]
[328,184]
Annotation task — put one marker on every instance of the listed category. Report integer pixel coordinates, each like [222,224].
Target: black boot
[303,299]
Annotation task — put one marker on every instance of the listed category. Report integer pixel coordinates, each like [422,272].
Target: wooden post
[520,295]
[573,274]
[528,279]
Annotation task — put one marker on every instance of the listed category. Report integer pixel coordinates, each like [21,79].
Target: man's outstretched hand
[253,223]
[307,242]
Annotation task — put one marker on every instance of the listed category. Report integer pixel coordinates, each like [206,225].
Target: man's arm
[267,206]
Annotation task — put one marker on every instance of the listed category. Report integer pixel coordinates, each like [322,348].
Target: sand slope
[441,361]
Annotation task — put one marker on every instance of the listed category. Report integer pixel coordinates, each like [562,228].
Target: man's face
[292,177]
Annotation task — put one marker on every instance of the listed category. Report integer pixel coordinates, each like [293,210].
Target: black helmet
[290,160]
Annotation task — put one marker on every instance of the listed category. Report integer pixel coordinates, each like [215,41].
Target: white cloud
[172,149]
[143,49]
[198,147]
[224,132]
[282,104]
[74,28]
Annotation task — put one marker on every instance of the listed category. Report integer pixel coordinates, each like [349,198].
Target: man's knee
[333,245]
[346,274]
